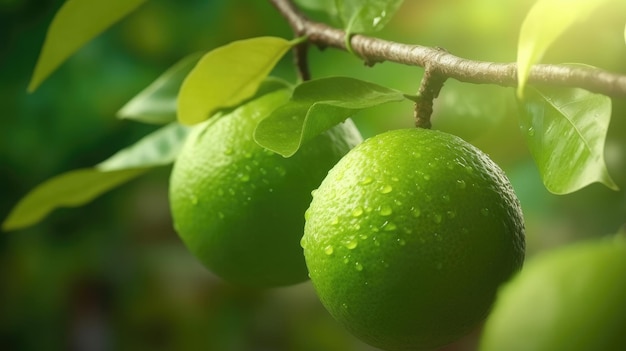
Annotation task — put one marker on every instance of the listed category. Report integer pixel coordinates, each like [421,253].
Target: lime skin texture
[238,207]
[409,237]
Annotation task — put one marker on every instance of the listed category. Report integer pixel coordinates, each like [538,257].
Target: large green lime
[239,207]
[409,236]
[573,299]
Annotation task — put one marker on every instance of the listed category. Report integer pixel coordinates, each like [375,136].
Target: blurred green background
[113,275]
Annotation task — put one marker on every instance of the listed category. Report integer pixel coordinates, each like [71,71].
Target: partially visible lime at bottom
[571,299]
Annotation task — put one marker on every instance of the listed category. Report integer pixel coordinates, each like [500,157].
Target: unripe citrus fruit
[239,207]
[572,299]
[409,236]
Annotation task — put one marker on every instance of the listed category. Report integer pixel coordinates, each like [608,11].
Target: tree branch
[374,50]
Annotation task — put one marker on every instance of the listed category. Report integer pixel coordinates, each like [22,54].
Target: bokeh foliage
[114,275]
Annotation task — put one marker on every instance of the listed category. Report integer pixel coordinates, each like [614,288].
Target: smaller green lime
[573,299]
[239,207]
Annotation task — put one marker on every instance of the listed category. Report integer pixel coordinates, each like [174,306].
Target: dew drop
[437,218]
[386,189]
[328,250]
[376,242]
[416,212]
[346,259]
[357,212]
[334,221]
[531,132]
[469,169]
[401,242]
[395,179]
[385,210]
[366,180]
[280,170]
[451,214]
[437,237]
[484,211]
[243,177]
[446,198]
[351,243]
[389,226]
[426,176]
[358,266]
[363,236]
[460,184]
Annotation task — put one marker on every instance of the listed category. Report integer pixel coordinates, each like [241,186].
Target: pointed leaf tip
[227,76]
[544,23]
[566,129]
[76,23]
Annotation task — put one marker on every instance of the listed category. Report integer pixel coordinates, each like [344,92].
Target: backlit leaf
[78,187]
[157,103]
[227,76]
[544,23]
[566,130]
[317,106]
[364,16]
[159,148]
[75,24]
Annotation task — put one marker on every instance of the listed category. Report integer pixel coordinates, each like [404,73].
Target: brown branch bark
[374,50]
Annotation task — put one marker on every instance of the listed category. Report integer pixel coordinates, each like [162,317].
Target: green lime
[409,236]
[239,207]
[573,298]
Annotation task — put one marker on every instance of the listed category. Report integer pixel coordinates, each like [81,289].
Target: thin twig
[431,85]
[373,50]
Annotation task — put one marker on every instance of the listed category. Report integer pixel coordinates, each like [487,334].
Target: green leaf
[365,16]
[75,24]
[566,130]
[544,23]
[156,149]
[227,76]
[78,187]
[317,106]
[156,104]
[74,188]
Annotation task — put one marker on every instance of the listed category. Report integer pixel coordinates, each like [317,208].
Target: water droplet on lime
[385,210]
[416,212]
[401,242]
[437,218]
[460,184]
[351,243]
[334,221]
[366,180]
[243,177]
[328,250]
[357,212]
[358,266]
[389,226]
[386,189]
[484,211]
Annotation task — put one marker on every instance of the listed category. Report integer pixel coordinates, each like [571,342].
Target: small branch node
[429,89]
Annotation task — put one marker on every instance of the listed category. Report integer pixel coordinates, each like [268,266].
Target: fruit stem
[429,89]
